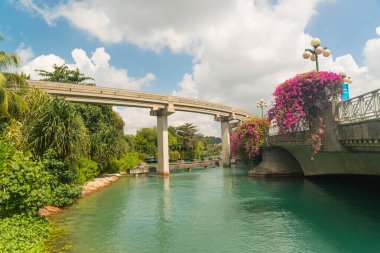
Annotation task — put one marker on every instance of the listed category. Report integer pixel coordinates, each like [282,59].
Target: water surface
[223,210]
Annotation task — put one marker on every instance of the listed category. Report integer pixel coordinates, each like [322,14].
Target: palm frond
[9,61]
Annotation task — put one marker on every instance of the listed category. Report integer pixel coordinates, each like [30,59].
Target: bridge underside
[324,163]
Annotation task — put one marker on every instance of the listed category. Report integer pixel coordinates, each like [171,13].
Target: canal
[223,210]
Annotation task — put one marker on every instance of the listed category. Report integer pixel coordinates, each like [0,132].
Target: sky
[228,51]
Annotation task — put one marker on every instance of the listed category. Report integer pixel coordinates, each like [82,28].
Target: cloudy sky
[229,51]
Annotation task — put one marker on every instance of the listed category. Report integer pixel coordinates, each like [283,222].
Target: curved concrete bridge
[351,144]
[161,106]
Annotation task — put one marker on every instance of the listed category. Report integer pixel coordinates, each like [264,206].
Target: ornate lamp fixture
[313,53]
[261,104]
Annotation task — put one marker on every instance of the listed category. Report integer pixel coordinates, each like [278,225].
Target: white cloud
[44,62]
[241,49]
[25,53]
[97,67]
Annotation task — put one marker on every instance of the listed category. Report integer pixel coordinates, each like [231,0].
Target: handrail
[360,108]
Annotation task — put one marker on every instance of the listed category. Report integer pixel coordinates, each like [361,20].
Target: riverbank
[89,187]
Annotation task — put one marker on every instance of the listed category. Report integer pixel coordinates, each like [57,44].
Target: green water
[223,210]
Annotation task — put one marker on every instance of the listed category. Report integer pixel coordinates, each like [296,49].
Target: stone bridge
[160,106]
[351,144]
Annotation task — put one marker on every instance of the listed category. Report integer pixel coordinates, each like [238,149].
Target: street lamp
[313,53]
[346,80]
[261,105]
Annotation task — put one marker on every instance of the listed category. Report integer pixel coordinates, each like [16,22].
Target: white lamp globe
[319,50]
[312,57]
[326,53]
[315,42]
[306,55]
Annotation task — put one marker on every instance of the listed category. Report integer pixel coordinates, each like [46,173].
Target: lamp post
[313,53]
[346,80]
[261,104]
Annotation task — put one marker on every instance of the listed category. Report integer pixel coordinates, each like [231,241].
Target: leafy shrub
[142,156]
[24,184]
[86,170]
[66,194]
[127,161]
[60,171]
[173,155]
[247,138]
[21,233]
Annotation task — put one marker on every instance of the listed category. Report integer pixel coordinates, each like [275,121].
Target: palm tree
[11,84]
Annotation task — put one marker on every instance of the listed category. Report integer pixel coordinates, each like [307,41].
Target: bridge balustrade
[360,108]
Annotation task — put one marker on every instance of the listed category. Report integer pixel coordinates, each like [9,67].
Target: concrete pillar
[162,145]
[330,140]
[162,139]
[225,144]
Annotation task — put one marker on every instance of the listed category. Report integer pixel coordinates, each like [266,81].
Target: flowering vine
[248,137]
[302,100]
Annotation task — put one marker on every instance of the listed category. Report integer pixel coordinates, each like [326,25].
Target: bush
[66,194]
[173,155]
[86,170]
[127,161]
[142,156]
[24,184]
[21,233]
[249,137]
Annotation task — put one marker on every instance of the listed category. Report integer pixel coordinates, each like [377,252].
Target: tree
[105,127]
[53,123]
[11,85]
[145,141]
[62,74]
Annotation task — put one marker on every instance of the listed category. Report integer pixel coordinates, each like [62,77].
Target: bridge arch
[277,162]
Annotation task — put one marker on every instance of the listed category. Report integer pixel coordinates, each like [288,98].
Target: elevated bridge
[160,106]
[351,144]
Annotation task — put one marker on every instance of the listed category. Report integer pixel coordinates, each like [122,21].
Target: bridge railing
[297,135]
[360,108]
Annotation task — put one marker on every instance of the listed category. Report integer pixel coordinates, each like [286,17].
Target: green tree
[11,86]
[62,74]
[105,127]
[145,141]
[54,124]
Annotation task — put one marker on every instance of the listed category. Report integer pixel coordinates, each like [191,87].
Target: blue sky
[228,51]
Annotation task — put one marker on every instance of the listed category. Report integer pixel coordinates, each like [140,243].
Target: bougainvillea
[302,100]
[248,137]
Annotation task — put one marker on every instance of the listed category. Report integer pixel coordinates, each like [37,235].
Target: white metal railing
[360,108]
[299,127]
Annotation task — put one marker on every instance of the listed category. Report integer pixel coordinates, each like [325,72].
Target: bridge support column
[225,125]
[226,161]
[162,139]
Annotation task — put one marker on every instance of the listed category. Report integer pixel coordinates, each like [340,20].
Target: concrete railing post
[162,139]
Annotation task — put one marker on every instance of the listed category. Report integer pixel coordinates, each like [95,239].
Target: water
[223,210]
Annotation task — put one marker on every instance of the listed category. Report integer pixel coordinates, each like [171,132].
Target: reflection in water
[223,210]
[163,220]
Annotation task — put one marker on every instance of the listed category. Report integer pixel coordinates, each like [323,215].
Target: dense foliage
[249,137]
[302,100]
[21,233]
[184,143]
[24,184]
